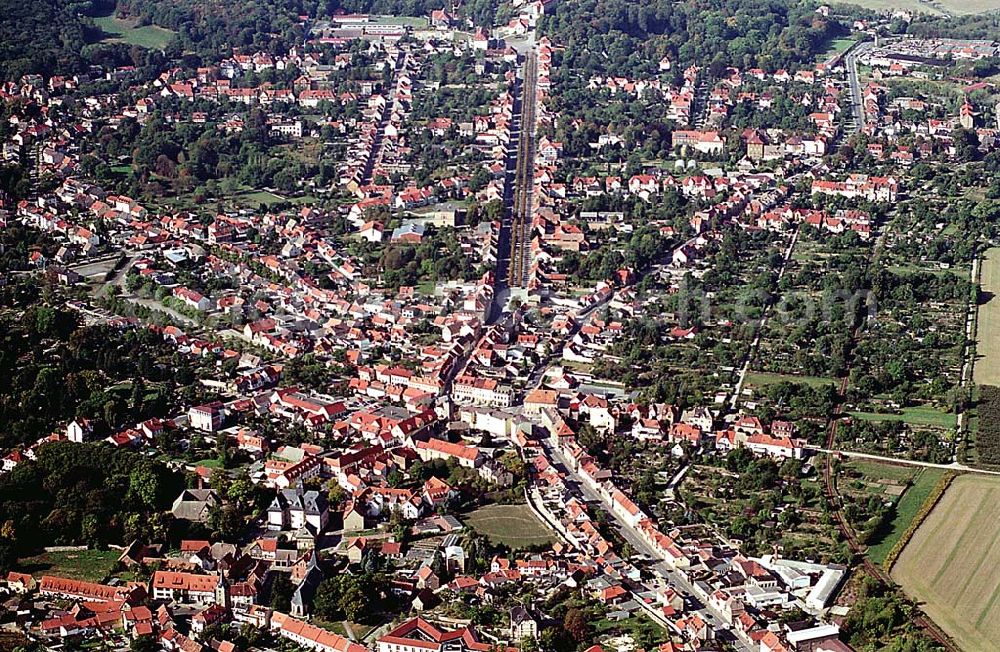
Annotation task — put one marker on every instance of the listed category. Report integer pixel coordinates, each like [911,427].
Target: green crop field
[937,7]
[512,525]
[952,563]
[987,367]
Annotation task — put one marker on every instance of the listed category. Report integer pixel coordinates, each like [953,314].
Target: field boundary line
[932,500]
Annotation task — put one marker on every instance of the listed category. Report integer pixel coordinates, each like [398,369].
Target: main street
[857,100]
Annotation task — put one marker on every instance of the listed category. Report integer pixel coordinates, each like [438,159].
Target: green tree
[281,592]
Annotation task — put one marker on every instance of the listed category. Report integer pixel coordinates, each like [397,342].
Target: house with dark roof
[296,508]
[194,504]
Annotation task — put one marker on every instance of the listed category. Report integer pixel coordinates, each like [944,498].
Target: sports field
[987,367]
[952,564]
[512,525]
[836,46]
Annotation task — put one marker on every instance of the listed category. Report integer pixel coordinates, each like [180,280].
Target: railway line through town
[520,230]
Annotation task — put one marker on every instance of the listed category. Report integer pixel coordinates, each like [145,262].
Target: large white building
[189,588]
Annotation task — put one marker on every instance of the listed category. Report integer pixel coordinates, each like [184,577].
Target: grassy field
[917,416]
[127,31]
[763,379]
[987,367]
[936,7]
[417,22]
[909,504]
[883,473]
[952,563]
[256,198]
[512,525]
[836,46]
[259,197]
[89,565]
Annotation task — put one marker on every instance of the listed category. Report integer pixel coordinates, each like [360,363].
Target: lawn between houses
[511,525]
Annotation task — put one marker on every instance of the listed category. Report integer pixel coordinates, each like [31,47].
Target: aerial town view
[499,325]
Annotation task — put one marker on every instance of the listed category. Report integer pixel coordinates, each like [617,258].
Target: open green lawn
[836,46]
[877,471]
[89,565]
[907,508]
[255,198]
[259,197]
[917,416]
[961,272]
[417,22]
[127,31]
[761,379]
[512,525]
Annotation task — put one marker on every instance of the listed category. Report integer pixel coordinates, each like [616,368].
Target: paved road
[968,350]
[857,101]
[954,466]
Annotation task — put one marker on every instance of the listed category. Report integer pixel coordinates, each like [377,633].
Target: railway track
[858,548]
[520,230]
[833,495]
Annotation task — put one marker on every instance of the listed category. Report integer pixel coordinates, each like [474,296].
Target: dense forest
[53,369]
[988,436]
[618,37]
[215,26]
[42,37]
[83,494]
[50,37]
[984,26]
